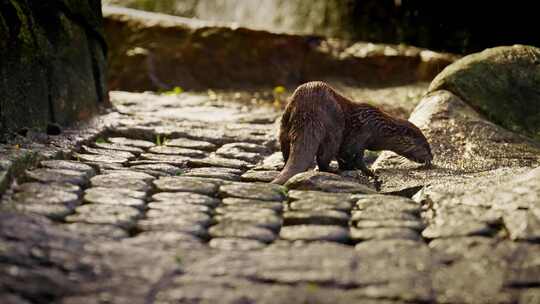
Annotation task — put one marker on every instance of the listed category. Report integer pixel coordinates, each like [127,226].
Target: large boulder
[464,145]
[502,83]
[52,62]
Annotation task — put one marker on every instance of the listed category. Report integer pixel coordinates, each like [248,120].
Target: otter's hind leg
[328,150]
[284,138]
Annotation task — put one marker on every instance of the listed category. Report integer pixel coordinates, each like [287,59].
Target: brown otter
[319,123]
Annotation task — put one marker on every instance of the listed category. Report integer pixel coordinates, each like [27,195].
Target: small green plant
[279,95]
[178,259]
[174,91]
[284,190]
[100,140]
[158,140]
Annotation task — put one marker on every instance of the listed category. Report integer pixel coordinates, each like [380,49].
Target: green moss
[25,34]
[4,32]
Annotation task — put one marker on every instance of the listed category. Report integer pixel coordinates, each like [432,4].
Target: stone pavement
[171,205]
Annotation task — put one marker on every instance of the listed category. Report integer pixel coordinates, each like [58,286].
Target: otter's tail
[302,153]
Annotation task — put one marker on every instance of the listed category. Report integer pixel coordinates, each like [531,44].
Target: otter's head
[411,143]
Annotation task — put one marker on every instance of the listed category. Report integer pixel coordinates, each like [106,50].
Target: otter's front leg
[361,165]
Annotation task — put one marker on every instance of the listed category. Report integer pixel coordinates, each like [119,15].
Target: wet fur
[320,124]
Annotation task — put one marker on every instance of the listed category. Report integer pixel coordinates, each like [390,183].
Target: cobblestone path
[172,205]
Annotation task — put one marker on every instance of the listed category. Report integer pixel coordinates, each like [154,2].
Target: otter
[320,124]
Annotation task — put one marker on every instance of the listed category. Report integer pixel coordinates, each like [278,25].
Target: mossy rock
[503,83]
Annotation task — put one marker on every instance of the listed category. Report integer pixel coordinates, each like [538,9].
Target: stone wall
[150,51]
[52,62]
[451,26]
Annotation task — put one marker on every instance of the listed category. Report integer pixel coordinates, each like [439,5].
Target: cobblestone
[100,158]
[119,147]
[191,144]
[158,170]
[122,216]
[177,151]
[235,244]
[185,198]
[228,174]
[143,144]
[259,176]
[68,165]
[315,233]
[131,180]
[186,184]
[258,191]
[45,175]
[320,217]
[108,152]
[40,187]
[126,197]
[253,203]
[194,219]
[241,230]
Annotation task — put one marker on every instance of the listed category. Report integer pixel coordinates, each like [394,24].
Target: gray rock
[364,234]
[132,180]
[122,216]
[103,167]
[237,153]
[97,231]
[40,187]
[185,198]
[251,203]
[389,223]
[107,152]
[180,161]
[315,233]
[388,203]
[143,144]
[45,175]
[191,144]
[375,247]
[68,165]
[47,196]
[377,215]
[126,197]
[273,162]
[172,224]
[476,79]
[119,147]
[462,142]
[173,216]
[245,147]
[320,205]
[320,217]
[175,207]
[257,191]
[241,230]
[186,184]
[259,176]
[320,196]
[56,212]
[98,158]
[177,151]
[158,170]
[322,181]
[457,228]
[260,218]
[523,225]
[235,244]
[165,241]
[228,174]
[216,161]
